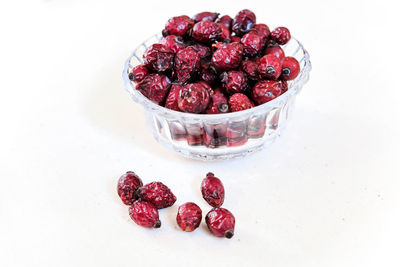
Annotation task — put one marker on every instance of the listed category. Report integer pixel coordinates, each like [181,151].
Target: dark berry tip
[270,70]
[223,107]
[131,76]
[164,33]
[210,174]
[286,71]
[229,234]
[157,224]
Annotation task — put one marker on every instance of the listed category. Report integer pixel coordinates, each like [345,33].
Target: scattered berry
[213,190]
[189,217]
[206,31]
[243,22]
[290,68]
[227,56]
[138,73]
[239,102]
[225,20]
[275,50]
[173,42]
[265,91]
[269,67]
[193,98]
[172,99]
[280,35]
[234,82]
[205,16]
[127,186]
[221,222]
[155,87]
[187,64]
[159,57]
[178,26]
[219,103]
[252,44]
[157,194]
[144,214]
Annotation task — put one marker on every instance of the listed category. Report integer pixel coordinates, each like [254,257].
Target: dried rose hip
[243,22]
[251,44]
[172,99]
[236,39]
[221,222]
[280,35]
[227,56]
[158,194]
[159,57]
[127,186]
[173,42]
[189,217]
[155,87]
[219,103]
[290,68]
[213,190]
[207,86]
[138,73]
[206,31]
[207,74]
[284,86]
[144,214]
[187,64]
[239,102]
[225,20]
[205,16]
[178,26]
[263,31]
[225,35]
[250,68]
[234,81]
[265,91]
[193,98]
[203,50]
[275,50]
[269,67]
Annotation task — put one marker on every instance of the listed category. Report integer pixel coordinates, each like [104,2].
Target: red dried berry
[284,86]
[252,44]
[236,39]
[173,42]
[275,50]
[144,214]
[218,104]
[227,56]
[127,186]
[290,68]
[269,67]
[155,87]
[225,20]
[234,82]
[187,64]
[213,190]
[206,31]
[221,222]
[178,25]
[189,217]
[263,31]
[193,98]
[265,91]
[159,57]
[225,34]
[172,100]
[207,86]
[250,68]
[207,74]
[138,73]
[239,102]
[205,16]
[157,194]
[203,50]
[280,35]
[243,22]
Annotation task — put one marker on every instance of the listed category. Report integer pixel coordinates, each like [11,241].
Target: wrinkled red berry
[172,99]
[228,56]
[218,104]
[263,31]
[202,50]
[290,68]
[127,186]
[251,44]
[234,82]
[243,22]
[187,64]
[284,86]
[189,217]
[280,35]
[205,16]
[193,98]
[206,31]
[178,25]
[207,74]
[221,222]
[239,102]
[275,50]
[138,73]
[144,214]
[250,68]
[236,39]
[173,42]
[225,34]
[155,87]
[265,91]
[207,86]
[225,20]
[269,67]
[213,190]
[159,57]
[157,194]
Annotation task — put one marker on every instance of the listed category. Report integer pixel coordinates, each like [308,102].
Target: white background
[325,194]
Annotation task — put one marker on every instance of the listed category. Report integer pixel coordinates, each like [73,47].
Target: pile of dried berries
[210,64]
[144,202]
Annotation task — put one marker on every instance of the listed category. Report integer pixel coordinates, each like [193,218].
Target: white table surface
[325,194]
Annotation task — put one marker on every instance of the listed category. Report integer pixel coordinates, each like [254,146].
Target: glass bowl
[219,136]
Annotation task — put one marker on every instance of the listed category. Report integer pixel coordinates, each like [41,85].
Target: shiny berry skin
[159,57]
[206,31]
[234,82]
[203,50]
[290,68]
[205,16]
[225,20]
[236,39]
[250,68]
[138,73]
[207,74]
[269,67]
[213,190]
[220,222]
[228,56]
[178,26]
[155,87]
[157,194]
[127,186]
[173,42]
[218,104]
[189,217]
[144,214]
[239,102]
[243,22]
[280,35]
[193,98]
[263,31]
[275,50]
[187,64]
[172,99]
[251,44]
[265,91]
